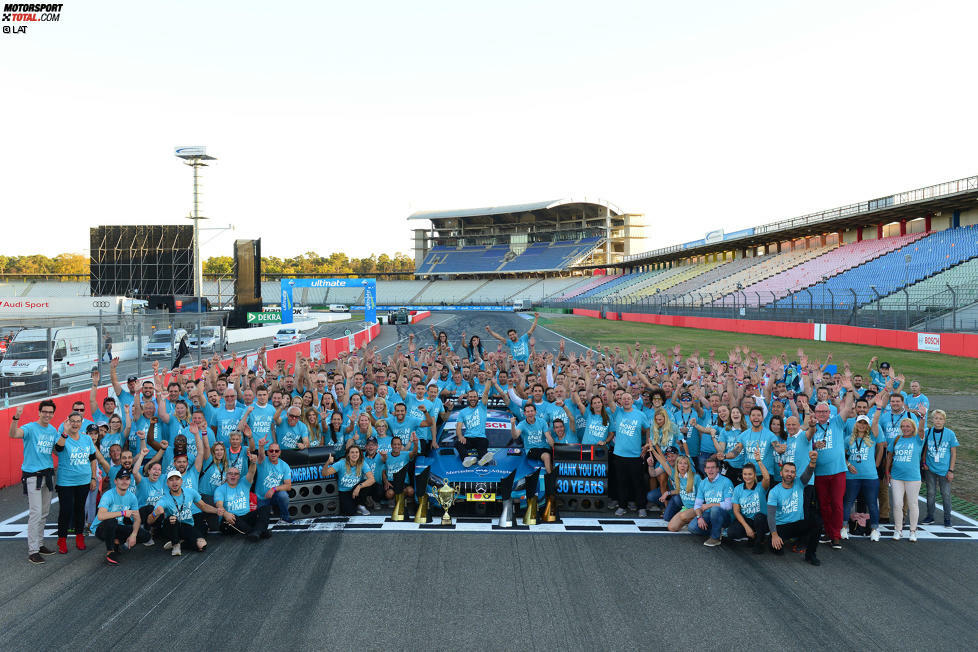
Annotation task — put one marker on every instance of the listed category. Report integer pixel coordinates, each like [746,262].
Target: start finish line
[369,286]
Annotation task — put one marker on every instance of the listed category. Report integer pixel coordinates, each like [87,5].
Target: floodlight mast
[196,157]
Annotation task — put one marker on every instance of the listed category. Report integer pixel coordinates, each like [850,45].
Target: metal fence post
[139,348]
[855,309]
[906,321]
[50,363]
[200,334]
[954,308]
[173,341]
[832,298]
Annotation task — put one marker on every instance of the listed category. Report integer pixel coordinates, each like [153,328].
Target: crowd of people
[783,453]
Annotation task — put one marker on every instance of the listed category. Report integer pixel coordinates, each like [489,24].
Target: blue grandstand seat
[539,256]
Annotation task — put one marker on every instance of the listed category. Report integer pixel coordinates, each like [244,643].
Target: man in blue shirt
[37,473]
[714,502]
[274,480]
[631,432]
[827,435]
[786,514]
[234,505]
[118,519]
[519,346]
[473,419]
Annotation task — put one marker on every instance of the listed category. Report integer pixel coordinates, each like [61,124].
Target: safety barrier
[12,451]
[959,344]
[419,315]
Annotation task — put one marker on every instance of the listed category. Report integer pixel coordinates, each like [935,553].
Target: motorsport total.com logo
[21,15]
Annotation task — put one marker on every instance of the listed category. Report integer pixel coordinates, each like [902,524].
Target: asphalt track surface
[378,590]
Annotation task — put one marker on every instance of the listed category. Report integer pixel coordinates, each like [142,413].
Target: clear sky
[335,120]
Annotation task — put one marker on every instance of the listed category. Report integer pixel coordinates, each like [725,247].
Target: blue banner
[443,308]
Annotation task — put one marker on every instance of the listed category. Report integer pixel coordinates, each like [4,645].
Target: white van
[163,344]
[522,304]
[338,307]
[25,366]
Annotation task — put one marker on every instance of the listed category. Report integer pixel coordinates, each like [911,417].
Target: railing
[920,194]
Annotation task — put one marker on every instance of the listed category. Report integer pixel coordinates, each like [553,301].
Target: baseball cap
[123,474]
[173,474]
[672,449]
[685,396]
[371,438]
[131,379]
[863,418]
[91,428]
[884,365]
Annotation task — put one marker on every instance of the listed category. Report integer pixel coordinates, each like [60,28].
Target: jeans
[716,519]
[831,489]
[279,500]
[932,481]
[870,490]
[673,506]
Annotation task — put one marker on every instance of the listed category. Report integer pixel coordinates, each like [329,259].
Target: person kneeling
[353,477]
[750,505]
[714,497]
[117,519]
[786,516]
[233,501]
[175,510]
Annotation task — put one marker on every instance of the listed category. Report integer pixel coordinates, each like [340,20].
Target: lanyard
[686,420]
[823,429]
[937,442]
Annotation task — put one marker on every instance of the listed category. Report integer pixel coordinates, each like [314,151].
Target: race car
[479,484]
[399,316]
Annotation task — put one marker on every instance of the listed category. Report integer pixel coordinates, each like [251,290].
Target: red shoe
[80,541]
[63,545]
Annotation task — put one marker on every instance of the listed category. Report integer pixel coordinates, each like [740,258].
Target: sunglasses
[274,450]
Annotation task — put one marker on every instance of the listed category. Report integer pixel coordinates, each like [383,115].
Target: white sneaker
[620,511]
[468,461]
[150,543]
[913,536]
[844,532]
[176,552]
[632,507]
[896,535]
[167,545]
[642,513]
[485,459]
[612,504]
[363,510]
[874,535]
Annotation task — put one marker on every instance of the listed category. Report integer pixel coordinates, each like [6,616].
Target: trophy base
[530,516]
[550,510]
[446,519]
[421,516]
[398,513]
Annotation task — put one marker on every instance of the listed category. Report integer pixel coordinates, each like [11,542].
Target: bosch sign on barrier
[929,342]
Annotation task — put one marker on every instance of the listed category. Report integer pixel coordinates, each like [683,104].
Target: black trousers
[180,532]
[630,474]
[254,522]
[71,511]
[479,444]
[348,504]
[805,531]
[758,522]
[111,531]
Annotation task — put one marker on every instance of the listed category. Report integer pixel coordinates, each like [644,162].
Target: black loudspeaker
[247,281]
[141,260]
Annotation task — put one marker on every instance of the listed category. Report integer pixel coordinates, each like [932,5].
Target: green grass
[937,373]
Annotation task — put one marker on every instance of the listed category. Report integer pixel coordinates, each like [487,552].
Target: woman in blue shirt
[76,477]
[903,472]
[733,448]
[596,421]
[864,452]
[681,493]
[750,504]
[352,478]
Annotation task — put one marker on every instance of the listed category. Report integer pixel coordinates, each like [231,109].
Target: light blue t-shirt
[395,463]
[149,492]
[403,429]
[75,462]
[717,491]
[628,432]
[595,429]
[906,458]
[763,441]
[260,421]
[348,476]
[520,349]
[731,439]
[533,433]
[270,476]
[288,437]
[38,444]
[688,497]
[889,423]
[473,420]
[790,503]
[183,506]
[796,451]
[692,435]
[234,499]
[939,445]
[751,501]
[108,439]
[374,465]
[862,456]
[113,502]
[212,476]
[225,422]
[832,458]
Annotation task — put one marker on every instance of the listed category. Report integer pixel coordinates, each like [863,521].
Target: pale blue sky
[334,121]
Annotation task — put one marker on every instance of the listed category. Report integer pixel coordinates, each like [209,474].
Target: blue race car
[479,484]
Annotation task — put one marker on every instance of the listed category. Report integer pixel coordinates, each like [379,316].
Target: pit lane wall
[959,344]
[12,451]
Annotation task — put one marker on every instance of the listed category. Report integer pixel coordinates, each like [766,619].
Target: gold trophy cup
[398,514]
[446,498]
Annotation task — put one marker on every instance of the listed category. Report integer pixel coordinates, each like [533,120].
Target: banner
[929,342]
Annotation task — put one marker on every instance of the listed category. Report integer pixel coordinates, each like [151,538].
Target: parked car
[286,336]
[208,339]
[163,344]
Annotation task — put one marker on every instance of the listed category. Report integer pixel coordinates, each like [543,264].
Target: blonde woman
[681,495]
[941,443]
[663,430]
[311,418]
[864,452]
[903,473]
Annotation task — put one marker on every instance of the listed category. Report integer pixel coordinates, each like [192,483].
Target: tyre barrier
[311,499]
[314,508]
[579,503]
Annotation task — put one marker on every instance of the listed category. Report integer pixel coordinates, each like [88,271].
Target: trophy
[446,498]
[398,514]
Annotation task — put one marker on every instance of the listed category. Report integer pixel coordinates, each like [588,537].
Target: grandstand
[535,238]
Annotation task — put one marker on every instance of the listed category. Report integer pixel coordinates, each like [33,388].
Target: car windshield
[161,336]
[206,332]
[285,331]
[36,350]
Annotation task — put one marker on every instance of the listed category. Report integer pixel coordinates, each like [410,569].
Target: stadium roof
[513,208]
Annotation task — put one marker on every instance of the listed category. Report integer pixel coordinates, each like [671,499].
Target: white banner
[929,342]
